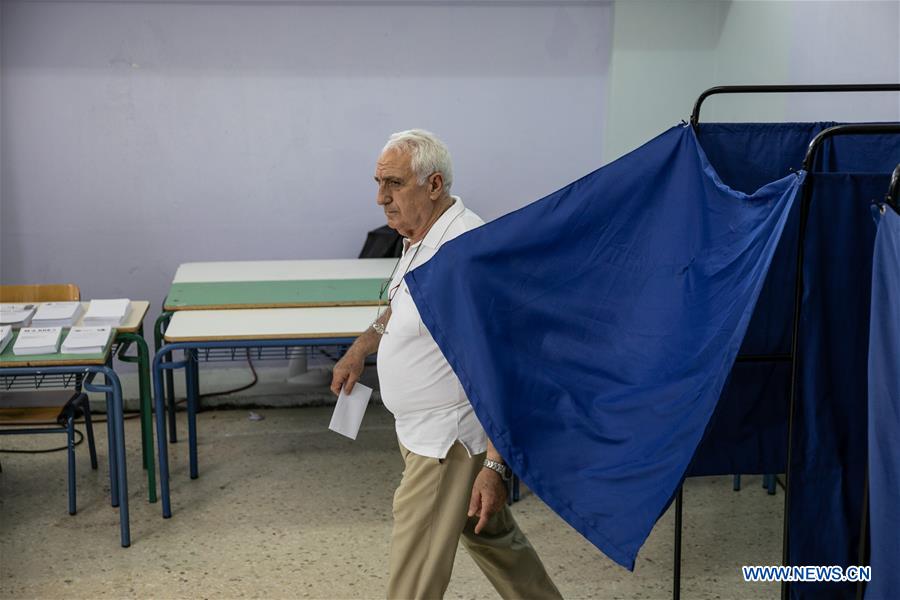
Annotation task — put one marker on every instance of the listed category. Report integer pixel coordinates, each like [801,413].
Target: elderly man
[453,482]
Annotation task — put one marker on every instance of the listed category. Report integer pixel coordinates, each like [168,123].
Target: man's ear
[436,185]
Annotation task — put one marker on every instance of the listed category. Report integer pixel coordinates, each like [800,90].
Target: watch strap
[498,467]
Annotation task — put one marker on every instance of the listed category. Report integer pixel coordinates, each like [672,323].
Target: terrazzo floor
[284,508]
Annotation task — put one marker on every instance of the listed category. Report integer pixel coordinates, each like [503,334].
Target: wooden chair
[41,292]
[34,413]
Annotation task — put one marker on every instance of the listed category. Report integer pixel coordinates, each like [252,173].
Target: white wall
[139,135]
[665,53]
[839,42]
[136,135]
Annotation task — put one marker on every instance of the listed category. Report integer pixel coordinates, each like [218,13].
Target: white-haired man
[453,481]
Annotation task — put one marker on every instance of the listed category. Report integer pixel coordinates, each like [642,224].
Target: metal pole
[676,575]
[792,402]
[769,89]
[863,536]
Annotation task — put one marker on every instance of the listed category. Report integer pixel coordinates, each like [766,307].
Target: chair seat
[32,415]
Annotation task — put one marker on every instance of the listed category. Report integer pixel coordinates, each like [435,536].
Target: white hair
[427,154]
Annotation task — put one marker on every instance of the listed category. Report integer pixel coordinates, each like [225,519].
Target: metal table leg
[110,433]
[169,398]
[192,386]
[143,361]
[116,423]
[159,369]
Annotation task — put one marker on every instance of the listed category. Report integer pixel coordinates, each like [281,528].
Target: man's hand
[347,371]
[488,497]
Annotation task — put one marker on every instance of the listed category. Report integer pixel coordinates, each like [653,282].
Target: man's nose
[381,198]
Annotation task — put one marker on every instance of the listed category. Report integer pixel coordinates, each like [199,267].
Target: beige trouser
[430,513]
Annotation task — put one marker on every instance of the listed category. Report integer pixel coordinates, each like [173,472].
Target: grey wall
[140,135]
[137,135]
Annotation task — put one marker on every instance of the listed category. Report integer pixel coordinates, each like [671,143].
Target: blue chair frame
[66,424]
[112,388]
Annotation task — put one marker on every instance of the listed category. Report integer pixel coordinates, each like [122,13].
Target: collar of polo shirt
[434,236]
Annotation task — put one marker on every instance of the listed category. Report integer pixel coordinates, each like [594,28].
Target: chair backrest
[40,292]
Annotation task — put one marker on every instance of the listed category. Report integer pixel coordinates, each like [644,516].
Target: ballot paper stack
[56,314]
[5,336]
[107,312]
[16,315]
[86,340]
[37,340]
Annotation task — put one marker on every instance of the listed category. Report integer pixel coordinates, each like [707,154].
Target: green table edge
[274,294]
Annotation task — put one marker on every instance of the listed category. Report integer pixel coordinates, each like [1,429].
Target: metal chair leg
[191,373]
[70,450]
[736,483]
[170,404]
[169,387]
[159,400]
[111,441]
[89,430]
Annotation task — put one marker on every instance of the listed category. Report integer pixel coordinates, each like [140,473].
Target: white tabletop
[285,270]
[270,323]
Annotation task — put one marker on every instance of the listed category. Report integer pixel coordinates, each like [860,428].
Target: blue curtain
[828,465]
[884,411]
[748,429]
[748,432]
[593,330]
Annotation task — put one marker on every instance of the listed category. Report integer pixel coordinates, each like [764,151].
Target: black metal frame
[806,198]
[769,89]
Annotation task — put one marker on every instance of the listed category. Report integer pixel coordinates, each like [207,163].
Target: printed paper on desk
[349,411]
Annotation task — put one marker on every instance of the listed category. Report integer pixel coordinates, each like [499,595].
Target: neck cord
[380,327]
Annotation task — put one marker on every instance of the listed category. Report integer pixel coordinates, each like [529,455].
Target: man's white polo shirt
[417,384]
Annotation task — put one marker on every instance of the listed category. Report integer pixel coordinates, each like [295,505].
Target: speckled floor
[285,508]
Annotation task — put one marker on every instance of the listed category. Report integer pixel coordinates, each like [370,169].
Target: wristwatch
[501,468]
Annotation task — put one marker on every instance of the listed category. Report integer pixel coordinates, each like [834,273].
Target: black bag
[383,242]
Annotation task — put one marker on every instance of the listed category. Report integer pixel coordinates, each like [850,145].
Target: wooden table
[261,284]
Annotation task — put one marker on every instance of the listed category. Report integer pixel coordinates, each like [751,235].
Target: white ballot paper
[349,411]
